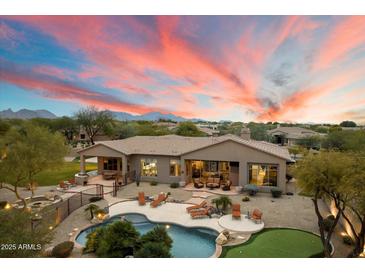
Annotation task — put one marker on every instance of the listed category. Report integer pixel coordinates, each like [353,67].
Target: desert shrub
[157,235]
[63,250]
[245,199]
[3,204]
[347,240]
[251,189]
[328,222]
[153,250]
[118,240]
[95,199]
[276,192]
[153,183]
[174,185]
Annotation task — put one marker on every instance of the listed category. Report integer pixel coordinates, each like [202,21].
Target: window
[263,175]
[175,168]
[111,164]
[149,167]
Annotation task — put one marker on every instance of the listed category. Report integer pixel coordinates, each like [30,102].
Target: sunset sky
[240,68]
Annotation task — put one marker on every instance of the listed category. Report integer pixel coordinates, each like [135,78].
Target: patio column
[82,164]
[182,170]
[124,165]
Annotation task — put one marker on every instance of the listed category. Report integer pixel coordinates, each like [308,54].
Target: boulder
[221,239]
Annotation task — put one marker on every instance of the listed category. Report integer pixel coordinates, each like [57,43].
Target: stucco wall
[163,168]
[231,151]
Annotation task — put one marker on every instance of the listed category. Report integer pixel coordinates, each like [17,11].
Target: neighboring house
[288,136]
[173,158]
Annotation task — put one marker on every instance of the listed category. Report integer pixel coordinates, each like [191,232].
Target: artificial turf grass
[64,172]
[277,243]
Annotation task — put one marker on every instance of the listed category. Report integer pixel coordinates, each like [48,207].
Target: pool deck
[176,213]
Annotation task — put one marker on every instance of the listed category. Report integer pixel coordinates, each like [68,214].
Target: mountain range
[122,116]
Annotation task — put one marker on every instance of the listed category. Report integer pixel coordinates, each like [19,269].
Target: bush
[276,192]
[95,199]
[63,250]
[157,235]
[118,240]
[245,199]
[174,185]
[154,183]
[93,240]
[347,240]
[328,222]
[153,250]
[3,204]
[251,189]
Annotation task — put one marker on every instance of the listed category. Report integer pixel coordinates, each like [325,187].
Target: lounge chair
[161,197]
[256,216]
[236,211]
[196,207]
[141,199]
[200,213]
[197,183]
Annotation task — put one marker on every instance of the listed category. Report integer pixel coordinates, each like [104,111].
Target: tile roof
[174,145]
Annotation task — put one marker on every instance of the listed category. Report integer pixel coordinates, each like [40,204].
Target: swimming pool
[187,242]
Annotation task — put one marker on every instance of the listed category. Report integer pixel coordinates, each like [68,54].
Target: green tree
[310,142]
[94,121]
[153,250]
[348,124]
[345,140]
[188,129]
[92,208]
[323,176]
[120,239]
[223,201]
[30,150]
[15,231]
[157,235]
[354,190]
[4,126]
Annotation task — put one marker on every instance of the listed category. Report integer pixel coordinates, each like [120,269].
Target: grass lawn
[276,243]
[64,172]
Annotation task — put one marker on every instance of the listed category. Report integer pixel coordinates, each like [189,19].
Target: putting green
[277,243]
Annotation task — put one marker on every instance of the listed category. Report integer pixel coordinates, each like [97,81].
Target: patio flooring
[217,191]
[240,225]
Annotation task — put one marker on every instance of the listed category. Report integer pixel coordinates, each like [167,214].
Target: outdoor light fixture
[50,227]
[167,226]
[7,206]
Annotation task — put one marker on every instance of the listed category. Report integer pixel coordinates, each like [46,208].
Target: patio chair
[63,185]
[141,199]
[196,207]
[256,216]
[161,197]
[236,211]
[200,213]
[72,182]
[227,185]
[197,183]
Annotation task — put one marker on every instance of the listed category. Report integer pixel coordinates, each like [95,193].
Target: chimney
[245,133]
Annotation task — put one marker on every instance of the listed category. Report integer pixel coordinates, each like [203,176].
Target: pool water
[187,242]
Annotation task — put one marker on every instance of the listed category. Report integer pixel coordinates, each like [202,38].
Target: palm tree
[217,202]
[92,208]
[225,201]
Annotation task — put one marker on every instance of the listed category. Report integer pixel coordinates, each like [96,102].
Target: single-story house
[288,136]
[172,158]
